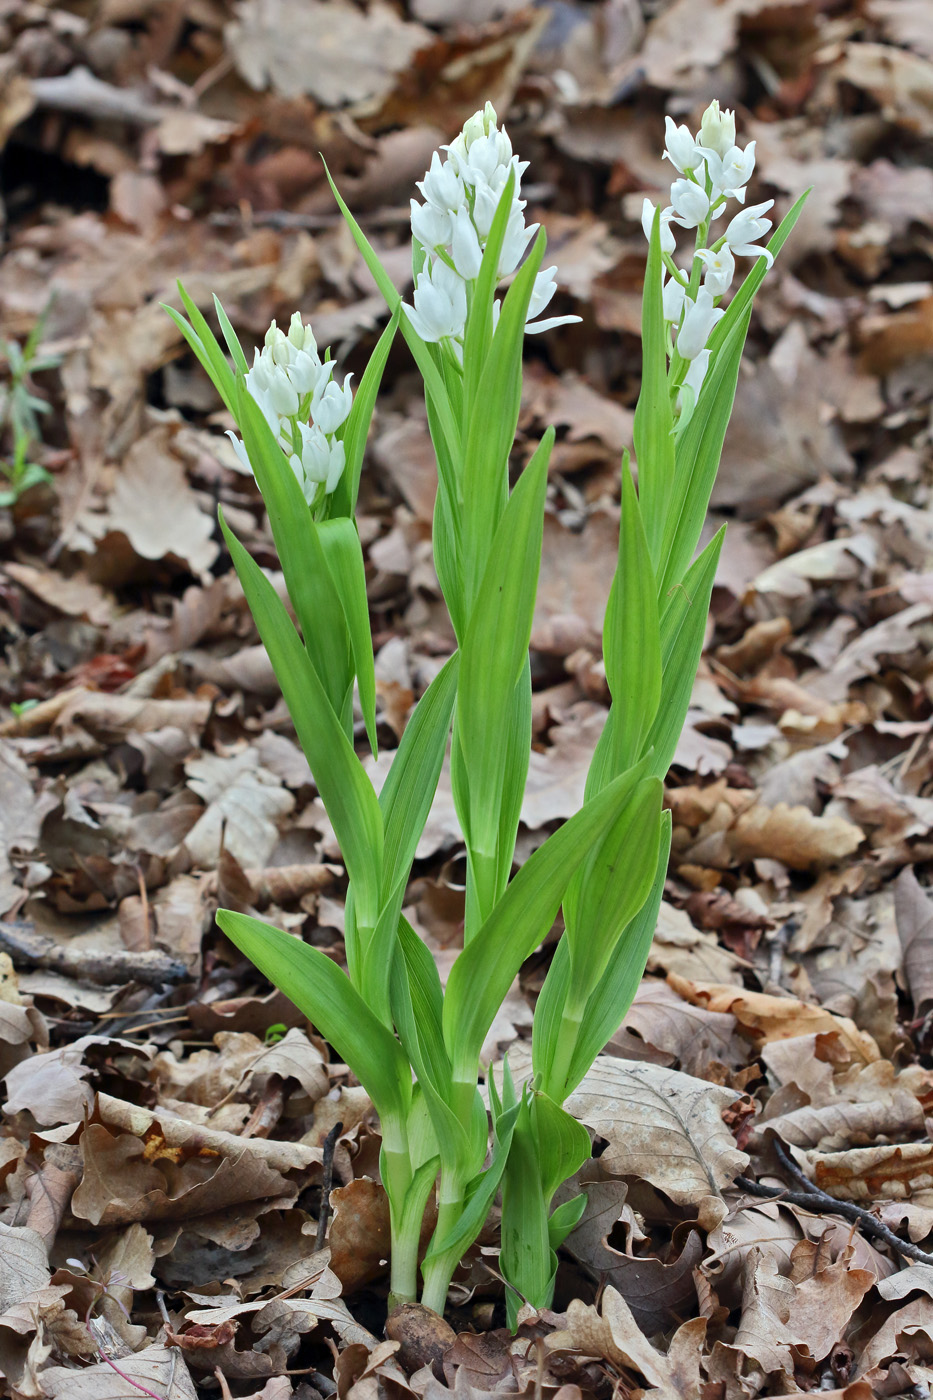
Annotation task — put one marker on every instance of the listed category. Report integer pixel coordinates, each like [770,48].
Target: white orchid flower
[731,173]
[700,317]
[333,407]
[465,246]
[440,308]
[718,269]
[690,203]
[745,228]
[672,297]
[430,225]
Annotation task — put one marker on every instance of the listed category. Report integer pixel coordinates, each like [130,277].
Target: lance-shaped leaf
[548,1145]
[310,582]
[316,985]
[493,420]
[609,1003]
[356,428]
[631,642]
[654,445]
[479,323]
[683,629]
[344,555]
[495,651]
[230,336]
[345,789]
[408,791]
[203,343]
[483,1189]
[483,973]
[611,886]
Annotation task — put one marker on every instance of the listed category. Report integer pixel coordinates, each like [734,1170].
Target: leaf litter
[189,1180]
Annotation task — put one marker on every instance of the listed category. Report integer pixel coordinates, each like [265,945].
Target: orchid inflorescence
[291,384]
[453,225]
[712,170]
[414,1045]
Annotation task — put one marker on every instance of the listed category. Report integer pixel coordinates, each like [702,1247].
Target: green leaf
[654,445]
[208,353]
[310,583]
[609,1003]
[356,429]
[230,336]
[611,886]
[683,629]
[408,791]
[493,420]
[494,654]
[631,644]
[483,973]
[565,1219]
[473,1217]
[344,555]
[479,322]
[345,789]
[315,984]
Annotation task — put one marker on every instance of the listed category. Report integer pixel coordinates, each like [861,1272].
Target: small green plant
[275,1033]
[19,413]
[415,1047]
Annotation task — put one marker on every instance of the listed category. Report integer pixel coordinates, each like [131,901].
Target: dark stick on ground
[821,1202]
[327,1181]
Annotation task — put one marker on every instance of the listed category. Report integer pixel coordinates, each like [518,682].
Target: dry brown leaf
[914,913]
[692,1035]
[825,1297]
[763,1334]
[611,1332]
[907,22]
[831,1126]
[333,52]
[792,835]
[24,1264]
[245,803]
[767,1017]
[154,507]
[664,1127]
[893,1171]
[159,1368]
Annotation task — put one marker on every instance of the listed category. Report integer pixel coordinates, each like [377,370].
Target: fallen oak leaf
[664,1127]
[793,835]
[765,1017]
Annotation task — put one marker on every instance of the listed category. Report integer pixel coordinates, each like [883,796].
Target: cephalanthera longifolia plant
[415,1047]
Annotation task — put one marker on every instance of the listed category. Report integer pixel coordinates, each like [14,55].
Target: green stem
[439,1271]
[568,1033]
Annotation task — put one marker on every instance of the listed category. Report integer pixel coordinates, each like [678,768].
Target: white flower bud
[516,240]
[430,225]
[320,461]
[690,203]
[717,129]
[681,149]
[442,186]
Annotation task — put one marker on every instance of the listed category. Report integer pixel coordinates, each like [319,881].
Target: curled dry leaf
[664,1127]
[898,1171]
[611,1332]
[829,1126]
[766,1017]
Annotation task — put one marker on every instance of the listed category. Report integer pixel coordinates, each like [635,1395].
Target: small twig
[820,1202]
[329,1147]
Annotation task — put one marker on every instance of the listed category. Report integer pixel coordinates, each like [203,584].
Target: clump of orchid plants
[479,288]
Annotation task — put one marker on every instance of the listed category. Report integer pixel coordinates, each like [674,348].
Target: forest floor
[167,1115]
